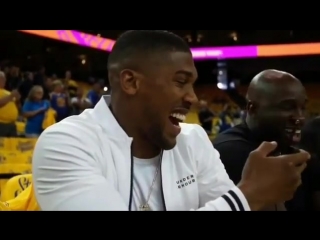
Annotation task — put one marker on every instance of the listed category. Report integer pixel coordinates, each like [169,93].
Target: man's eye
[287,106]
[181,81]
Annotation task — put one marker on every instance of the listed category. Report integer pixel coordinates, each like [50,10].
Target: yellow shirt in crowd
[8,113]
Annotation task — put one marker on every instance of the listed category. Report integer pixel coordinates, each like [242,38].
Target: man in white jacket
[133,153]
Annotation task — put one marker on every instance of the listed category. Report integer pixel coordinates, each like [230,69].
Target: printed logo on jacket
[186,181]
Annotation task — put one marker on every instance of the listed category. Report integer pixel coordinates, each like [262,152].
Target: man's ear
[250,107]
[129,81]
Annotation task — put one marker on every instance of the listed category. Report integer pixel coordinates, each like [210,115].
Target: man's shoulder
[234,143]
[315,122]
[238,133]
[192,136]
[79,127]
[234,147]
[192,131]
[195,134]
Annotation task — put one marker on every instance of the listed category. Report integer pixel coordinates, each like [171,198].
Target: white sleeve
[66,176]
[217,192]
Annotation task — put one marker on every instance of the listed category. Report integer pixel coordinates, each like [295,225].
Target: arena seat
[15,186]
[17,144]
[15,162]
[15,158]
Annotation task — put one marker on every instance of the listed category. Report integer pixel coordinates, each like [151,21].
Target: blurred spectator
[243,115]
[6,70]
[70,85]
[94,94]
[237,115]
[34,110]
[226,118]
[54,77]
[47,88]
[13,78]
[40,77]
[59,100]
[79,103]
[205,116]
[8,109]
[235,96]
[26,86]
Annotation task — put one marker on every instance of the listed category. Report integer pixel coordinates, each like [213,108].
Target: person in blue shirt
[59,101]
[225,119]
[94,94]
[33,110]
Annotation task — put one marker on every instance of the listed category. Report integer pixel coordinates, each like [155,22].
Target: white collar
[104,117]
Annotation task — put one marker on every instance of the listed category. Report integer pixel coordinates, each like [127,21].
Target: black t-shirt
[203,115]
[310,136]
[234,146]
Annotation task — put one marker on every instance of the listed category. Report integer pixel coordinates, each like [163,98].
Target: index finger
[296,158]
[266,148]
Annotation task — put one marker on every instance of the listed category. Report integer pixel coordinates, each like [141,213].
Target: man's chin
[296,140]
[292,141]
[169,143]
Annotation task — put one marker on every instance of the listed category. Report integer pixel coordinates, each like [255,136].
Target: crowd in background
[30,96]
[215,122]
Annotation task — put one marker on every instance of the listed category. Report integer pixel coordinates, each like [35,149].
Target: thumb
[266,148]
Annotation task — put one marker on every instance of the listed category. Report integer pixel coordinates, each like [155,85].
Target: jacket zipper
[131,180]
[162,194]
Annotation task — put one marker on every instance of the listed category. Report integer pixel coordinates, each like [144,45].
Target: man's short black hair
[141,44]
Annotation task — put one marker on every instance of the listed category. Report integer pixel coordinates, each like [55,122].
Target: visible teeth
[178,116]
[291,130]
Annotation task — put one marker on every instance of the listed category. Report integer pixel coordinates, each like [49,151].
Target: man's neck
[142,147]
[144,150]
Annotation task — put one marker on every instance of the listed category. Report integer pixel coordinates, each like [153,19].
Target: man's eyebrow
[287,100]
[184,72]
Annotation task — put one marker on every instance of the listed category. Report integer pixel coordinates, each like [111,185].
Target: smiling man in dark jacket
[275,105]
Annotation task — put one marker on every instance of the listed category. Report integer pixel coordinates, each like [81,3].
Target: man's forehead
[288,87]
[282,92]
[182,63]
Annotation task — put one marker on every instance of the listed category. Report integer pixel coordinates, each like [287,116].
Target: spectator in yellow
[8,109]
[70,85]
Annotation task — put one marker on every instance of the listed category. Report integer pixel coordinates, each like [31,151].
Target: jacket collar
[104,117]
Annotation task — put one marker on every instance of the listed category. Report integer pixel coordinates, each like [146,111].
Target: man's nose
[299,113]
[299,118]
[191,97]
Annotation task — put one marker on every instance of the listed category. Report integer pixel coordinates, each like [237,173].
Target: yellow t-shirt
[8,113]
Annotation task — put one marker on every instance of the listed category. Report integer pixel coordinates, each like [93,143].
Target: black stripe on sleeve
[229,201]
[237,199]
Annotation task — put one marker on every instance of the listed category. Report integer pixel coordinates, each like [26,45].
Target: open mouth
[294,134]
[176,118]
